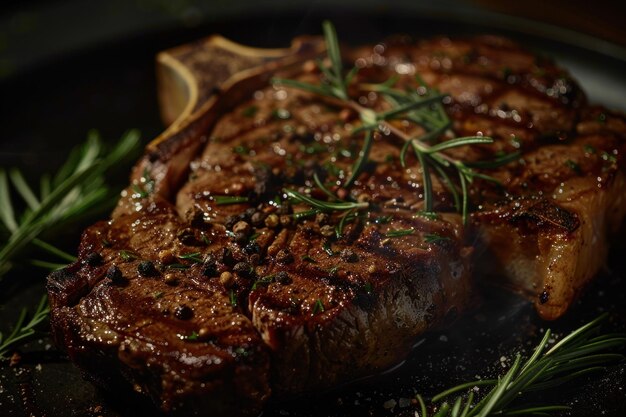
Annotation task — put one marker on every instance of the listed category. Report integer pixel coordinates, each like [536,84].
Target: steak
[209,289]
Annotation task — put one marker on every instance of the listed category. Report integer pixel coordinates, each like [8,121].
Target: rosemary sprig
[581,352]
[75,191]
[324,205]
[21,332]
[423,107]
[358,166]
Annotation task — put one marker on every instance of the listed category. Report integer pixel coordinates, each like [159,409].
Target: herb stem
[324,205]
[463,387]
[575,355]
[23,331]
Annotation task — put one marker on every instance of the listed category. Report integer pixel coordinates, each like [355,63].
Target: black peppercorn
[282,277]
[146,269]
[284,256]
[249,212]
[226,257]
[198,220]
[209,268]
[94,259]
[252,248]
[183,312]
[187,237]
[244,269]
[231,220]
[257,218]
[241,238]
[114,274]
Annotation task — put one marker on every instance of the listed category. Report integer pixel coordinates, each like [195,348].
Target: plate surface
[48,109]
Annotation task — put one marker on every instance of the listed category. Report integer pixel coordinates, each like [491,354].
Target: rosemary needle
[580,353]
[77,189]
[23,331]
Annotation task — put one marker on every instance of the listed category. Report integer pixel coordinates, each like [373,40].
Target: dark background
[69,66]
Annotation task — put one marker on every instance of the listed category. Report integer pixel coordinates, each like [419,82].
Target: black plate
[48,108]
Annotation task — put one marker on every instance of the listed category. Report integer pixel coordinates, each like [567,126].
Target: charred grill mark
[532,214]
[66,287]
[542,214]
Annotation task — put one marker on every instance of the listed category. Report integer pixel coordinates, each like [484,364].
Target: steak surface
[210,290]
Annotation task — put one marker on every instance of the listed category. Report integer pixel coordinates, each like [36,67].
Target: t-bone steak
[209,290]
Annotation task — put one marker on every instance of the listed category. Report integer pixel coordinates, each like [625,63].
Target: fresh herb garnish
[324,205]
[77,189]
[399,233]
[318,307]
[127,255]
[147,185]
[430,215]
[241,150]
[21,331]
[347,216]
[327,246]
[581,352]
[304,214]
[266,280]
[383,219]
[573,166]
[423,107]
[314,148]
[309,259]
[177,267]
[250,111]
[589,149]
[194,257]
[434,238]
[233,298]
[222,200]
[362,159]
[193,336]
[608,157]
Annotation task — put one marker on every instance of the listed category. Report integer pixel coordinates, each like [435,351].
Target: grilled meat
[209,290]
